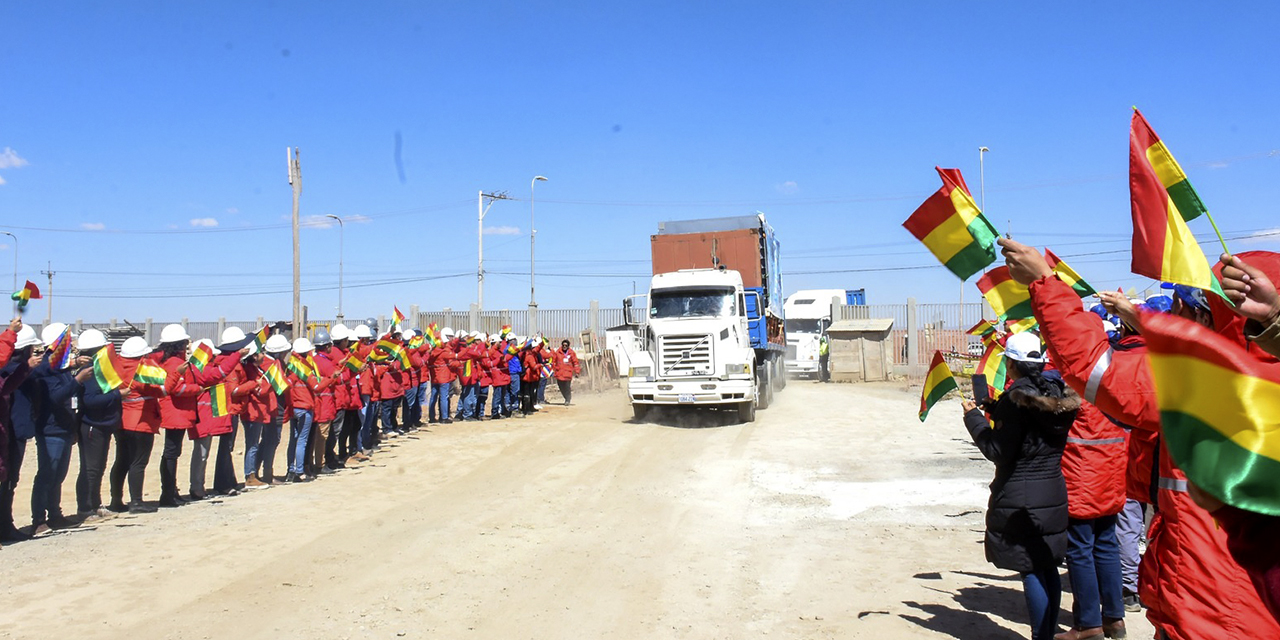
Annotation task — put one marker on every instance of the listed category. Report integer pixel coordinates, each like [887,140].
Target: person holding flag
[53,391]
[271,408]
[324,458]
[139,424]
[13,443]
[303,387]
[101,415]
[500,376]
[1027,515]
[441,364]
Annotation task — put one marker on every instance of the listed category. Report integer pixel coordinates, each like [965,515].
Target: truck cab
[808,314]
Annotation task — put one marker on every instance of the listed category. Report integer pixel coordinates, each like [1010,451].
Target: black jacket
[1027,513]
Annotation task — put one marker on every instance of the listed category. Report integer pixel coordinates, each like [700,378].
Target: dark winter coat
[1027,513]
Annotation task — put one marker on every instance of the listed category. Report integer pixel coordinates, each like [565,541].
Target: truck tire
[641,411]
[747,411]
[779,376]
[764,387]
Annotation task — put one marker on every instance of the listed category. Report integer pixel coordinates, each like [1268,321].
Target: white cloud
[1217,165]
[1,179]
[502,231]
[789,186]
[3,247]
[9,159]
[232,210]
[357,218]
[1262,237]
[92,226]
[204,222]
[325,222]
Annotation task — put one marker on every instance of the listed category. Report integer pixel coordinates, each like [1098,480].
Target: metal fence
[929,327]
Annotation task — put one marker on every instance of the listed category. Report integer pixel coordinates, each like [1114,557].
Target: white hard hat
[134,347]
[91,339]
[302,345]
[406,333]
[362,331]
[252,349]
[446,333]
[51,332]
[1024,347]
[204,341]
[26,337]
[475,335]
[277,344]
[493,338]
[339,332]
[232,334]
[173,333]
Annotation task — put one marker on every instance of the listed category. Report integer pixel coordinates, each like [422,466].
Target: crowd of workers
[338,394]
[1082,472]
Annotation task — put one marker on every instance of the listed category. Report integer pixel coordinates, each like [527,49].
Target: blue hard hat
[1099,310]
[1190,296]
[1159,303]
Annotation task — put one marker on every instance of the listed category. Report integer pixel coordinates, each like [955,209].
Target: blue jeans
[53,460]
[482,398]
[439,400]
[368,422]
[1043,590]
[499,400]
[299,435]
[1129,531]
[1093,565]
[266,456]
[252,436]
[467,403]
[410,404]
[513,394]
[542,391]
[389,413]
[424,395]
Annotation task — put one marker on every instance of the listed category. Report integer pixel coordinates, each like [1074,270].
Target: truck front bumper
[801,366]
[690,392]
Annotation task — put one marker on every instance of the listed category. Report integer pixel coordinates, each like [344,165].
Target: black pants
[528,396]
[169,462]
[824,368]
[95,443]
[335,434]
[17,448]
[347,441]
[224,469]
[566,389]
[133,451]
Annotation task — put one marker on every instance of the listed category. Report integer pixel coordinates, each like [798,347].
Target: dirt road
[835,515]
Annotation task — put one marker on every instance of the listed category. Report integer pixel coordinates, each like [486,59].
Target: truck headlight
[640,372]
[737,369]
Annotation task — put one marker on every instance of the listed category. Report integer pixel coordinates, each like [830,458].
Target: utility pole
[48,307]
[484,209]
[15,268]
[533,234]
[295,179]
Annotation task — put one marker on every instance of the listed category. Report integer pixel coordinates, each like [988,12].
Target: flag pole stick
[1215,230]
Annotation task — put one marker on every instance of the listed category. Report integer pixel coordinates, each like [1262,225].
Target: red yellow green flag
[105,369]
[260,339]
[1020,325]
[396,316]
[276,377]
[1163,202]
[149,373]
[1219,412]
[27,293]
[938,383]
[995,368]
[298,367]
[1069,275]
[353,362]
[1006,297]
[201,356]
[219,400]
[952,227]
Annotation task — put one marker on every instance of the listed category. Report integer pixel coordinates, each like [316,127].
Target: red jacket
[1191,585]
[440,362]
[140,410]
[389,379]
[342,388]
[498,359]
[484,357]
[302,393]
[326,402]
[260,401]
[1094,463]
[565,364]
[532,364]
[178,407]
[368,377]
[207,425]
[8,340]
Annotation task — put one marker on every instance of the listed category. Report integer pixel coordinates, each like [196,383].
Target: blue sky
[171,118]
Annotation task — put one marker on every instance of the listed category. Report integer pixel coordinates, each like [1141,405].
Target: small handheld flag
[995,368]
[260,339]
[105,370]
[27,293]
[1069,275]
[396,316]
[201,356]
[151,374]
[276,378]
[60,350]
[1007,297]
[938,383]
[219,402]
[952,227]
[298,367]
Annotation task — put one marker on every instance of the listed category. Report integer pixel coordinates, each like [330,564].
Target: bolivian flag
[201,356]
[276,377]
[298,367]
[938,383]
[985,330]
[1069,275]
[1007,298]
[953,229]
[260,339]
[27,293]
[353,362]
[1219,412]
[396,316]
[1163,202]
[1020,325]
[995,368]
[402,356]
[149,373]
[219,400]
[105,369]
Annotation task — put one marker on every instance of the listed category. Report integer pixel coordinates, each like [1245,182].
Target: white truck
[808,314]
[705,338]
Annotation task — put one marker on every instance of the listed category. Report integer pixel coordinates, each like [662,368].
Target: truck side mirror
[633,310]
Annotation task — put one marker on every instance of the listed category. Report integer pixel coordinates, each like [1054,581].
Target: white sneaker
[537,407]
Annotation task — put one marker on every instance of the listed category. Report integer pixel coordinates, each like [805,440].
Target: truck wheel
[764,387]
[641,410]
[747,412]
[779,376]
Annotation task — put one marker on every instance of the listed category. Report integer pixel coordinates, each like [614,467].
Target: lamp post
[982,176]
[15,264]
[342,230]
[533,233]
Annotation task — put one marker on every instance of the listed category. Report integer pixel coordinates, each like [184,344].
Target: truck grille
[793,349]
[686,356]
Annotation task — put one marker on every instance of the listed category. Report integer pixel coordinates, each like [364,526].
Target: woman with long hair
[1027,512]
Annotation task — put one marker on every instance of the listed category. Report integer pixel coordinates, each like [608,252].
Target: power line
[263,293]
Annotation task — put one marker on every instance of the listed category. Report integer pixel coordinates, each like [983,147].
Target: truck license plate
[686,397]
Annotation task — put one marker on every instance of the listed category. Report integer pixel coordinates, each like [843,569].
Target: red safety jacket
[565,364]
[326,401]
[440,362]
[8,340]
[261,401]
[140,411]
[207,425]
[389,384]
[302,393]
[498,359]
[1094,463]
[342,388]
[178,409]
[1191,585]
[532,366]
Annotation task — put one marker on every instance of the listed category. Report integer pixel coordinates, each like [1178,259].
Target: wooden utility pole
[491,197]
[295,179]
[48,307]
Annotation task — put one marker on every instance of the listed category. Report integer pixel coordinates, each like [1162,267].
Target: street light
[533,233]
[342,229]
[15,264]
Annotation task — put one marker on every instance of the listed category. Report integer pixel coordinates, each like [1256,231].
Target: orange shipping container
[738,250]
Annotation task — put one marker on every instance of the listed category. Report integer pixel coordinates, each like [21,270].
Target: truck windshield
[692,303]
[804,325]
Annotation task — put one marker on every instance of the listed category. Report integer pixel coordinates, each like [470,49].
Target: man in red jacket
[565,366]
[1190,583]
[441,365]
